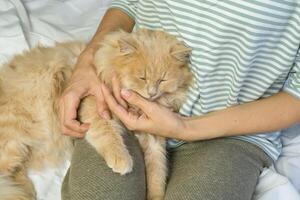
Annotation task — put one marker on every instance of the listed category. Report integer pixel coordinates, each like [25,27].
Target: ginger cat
[152,63]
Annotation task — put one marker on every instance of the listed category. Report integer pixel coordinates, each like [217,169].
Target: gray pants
[219,169]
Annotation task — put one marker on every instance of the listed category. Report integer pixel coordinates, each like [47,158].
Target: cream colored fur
[150,62]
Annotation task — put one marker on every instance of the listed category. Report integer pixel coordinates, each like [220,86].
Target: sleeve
[292,85]
[127,6]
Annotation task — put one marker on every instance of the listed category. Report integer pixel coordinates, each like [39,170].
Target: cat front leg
[154,149]
[106,138]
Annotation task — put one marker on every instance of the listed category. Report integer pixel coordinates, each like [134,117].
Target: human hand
[154,119]
[83,82]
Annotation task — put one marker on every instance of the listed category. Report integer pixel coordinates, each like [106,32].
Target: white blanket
[26,23]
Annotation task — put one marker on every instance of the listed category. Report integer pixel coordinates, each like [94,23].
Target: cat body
[30,135]
[150,62]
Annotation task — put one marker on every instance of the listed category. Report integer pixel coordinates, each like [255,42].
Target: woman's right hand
[83,82]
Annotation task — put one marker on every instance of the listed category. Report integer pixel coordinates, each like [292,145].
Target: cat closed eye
[143,78]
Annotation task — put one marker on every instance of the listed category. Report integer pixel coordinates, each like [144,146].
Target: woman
[247,65]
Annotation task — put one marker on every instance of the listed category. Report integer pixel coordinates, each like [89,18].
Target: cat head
[152,63]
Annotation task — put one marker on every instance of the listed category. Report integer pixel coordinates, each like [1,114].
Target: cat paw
[119,161]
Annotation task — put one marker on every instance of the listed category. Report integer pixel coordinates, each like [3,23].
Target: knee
[90,178]
[228,169]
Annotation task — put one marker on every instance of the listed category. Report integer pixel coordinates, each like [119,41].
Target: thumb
[135,99]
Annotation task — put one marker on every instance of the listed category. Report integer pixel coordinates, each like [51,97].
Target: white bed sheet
[26,23]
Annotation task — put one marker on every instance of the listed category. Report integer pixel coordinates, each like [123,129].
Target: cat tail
[9,190]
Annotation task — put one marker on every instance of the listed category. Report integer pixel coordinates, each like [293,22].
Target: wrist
[91,48]
[186,129]
[87,55]
[84,62]
[180,130]
[202,128]
[84,70]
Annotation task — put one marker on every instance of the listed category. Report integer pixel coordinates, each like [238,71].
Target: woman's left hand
[154,119]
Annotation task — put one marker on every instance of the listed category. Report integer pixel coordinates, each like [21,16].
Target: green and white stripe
[242,50]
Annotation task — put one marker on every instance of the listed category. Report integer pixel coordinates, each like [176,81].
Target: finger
[75,126]
[65,130]
[138,121]
[102,107]
[116,108]
[132,120]
[133,98]
[117,91]
[71,104]
[71,133]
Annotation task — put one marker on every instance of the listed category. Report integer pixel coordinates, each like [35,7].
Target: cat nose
[152,91]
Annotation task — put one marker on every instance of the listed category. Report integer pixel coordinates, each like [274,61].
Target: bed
[26,23]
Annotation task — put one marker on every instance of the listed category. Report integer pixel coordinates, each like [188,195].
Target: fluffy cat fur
[152,63]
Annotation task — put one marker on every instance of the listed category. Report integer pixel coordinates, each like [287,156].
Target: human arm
[276,112]
[113,20]
[84,81]
[273,113]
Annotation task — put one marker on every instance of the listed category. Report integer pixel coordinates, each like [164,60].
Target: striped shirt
[242,51]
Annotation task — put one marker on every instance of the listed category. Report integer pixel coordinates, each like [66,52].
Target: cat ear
[181,52]
[127,45]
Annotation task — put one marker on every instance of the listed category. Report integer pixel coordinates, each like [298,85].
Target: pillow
[288,163]
[273,186]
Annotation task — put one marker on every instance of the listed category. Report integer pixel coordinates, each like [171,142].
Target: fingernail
[125,93]
[105,115]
